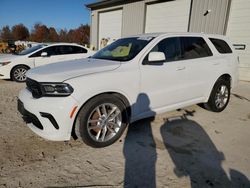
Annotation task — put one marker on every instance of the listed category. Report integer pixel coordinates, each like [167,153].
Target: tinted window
[221,46]
[30,50]
[77,50]
[64,50]
[60,50]
[194,47]
[170,47]
[50,51]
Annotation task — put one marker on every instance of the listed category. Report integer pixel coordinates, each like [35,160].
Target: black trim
[190,14]
[27,116]
[157,63]
[239,46]
[51,118]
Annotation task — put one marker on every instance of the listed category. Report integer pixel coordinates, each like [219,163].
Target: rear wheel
[18,73]
[219,96]
[101,121]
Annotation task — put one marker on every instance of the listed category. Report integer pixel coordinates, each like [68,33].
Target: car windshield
[30,50]
[123,49]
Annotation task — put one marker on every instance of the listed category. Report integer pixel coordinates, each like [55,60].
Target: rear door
[71,52]
[199,63]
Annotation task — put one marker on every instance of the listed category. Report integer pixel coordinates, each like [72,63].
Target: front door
[164,84]
[53,56]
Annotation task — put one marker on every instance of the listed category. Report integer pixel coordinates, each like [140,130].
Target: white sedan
[15,66]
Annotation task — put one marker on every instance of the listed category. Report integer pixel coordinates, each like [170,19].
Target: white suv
[16,66]
[133,78]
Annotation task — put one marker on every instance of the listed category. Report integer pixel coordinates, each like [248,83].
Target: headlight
[5,63]
[56,89]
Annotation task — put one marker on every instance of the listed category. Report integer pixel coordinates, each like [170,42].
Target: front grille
[34,87]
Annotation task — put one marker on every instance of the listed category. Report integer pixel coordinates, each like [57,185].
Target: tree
[53,36]
[63,35]
[71,36]
[79,35]
[40,33]
[20,32]
[6,34]
[83,34]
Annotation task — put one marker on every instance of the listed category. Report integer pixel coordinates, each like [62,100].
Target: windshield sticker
[145,38]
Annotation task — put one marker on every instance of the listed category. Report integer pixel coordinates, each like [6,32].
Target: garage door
[209,16]
[110,25]
[238,30]
[169,16]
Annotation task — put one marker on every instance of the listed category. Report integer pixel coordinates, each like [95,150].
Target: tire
[219,96]
[101,121]
[18,73]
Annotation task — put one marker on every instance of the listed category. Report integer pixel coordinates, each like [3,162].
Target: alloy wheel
[221,96]
[20,74]
[104,122]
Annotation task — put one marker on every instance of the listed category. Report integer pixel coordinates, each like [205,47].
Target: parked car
[15,66]
[133,78]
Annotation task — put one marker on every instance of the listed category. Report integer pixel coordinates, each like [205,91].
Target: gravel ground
[191,147]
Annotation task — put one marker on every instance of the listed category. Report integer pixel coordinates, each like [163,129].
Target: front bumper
[49,117]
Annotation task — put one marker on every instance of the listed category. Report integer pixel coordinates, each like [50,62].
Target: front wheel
[219,96]
[101,121]
[18,73]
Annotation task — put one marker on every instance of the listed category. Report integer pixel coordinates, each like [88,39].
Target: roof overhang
[107,3]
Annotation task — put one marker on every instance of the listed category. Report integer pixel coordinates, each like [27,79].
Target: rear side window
[194,47]
[65,50]
[221,46]
[77,50]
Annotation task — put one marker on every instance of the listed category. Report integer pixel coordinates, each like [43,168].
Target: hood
[8,57]
[59,72]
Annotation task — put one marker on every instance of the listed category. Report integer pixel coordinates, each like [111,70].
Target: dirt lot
[187,148]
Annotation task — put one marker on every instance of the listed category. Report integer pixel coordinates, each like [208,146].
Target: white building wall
[238,30]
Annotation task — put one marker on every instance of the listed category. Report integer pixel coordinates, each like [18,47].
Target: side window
[79,50]
[37,54]
[221,46]
[64,50]
[50,51]
[170,47]
[194,47]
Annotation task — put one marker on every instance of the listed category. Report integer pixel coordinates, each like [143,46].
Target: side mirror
[44,54]
[156,57]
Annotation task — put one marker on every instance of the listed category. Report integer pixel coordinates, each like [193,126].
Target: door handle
[180,68]
[217,63]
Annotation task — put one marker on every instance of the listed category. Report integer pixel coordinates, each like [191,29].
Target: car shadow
[140,152]
[191,149]
[195,155]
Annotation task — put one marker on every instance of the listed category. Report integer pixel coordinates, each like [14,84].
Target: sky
[60,14]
